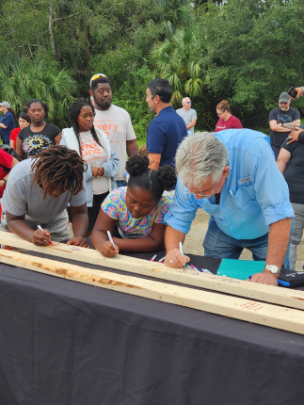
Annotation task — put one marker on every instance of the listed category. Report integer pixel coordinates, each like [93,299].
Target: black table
[66,343]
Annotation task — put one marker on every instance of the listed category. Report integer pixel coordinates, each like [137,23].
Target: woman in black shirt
[290,164]
[40,134]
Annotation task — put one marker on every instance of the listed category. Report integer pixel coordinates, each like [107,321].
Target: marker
[153,258]
[181,250]
[193,267]
[205,271]
[40,229]
[250,277]
[110,239]
[162,259]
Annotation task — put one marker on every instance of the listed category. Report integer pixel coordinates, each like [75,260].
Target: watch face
[273,268]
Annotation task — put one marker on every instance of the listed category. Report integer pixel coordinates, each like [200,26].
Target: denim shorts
[222,246]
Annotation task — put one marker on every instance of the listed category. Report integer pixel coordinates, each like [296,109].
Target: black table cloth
[66,343]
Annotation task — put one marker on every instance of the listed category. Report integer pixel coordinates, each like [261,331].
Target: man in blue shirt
[167,130]
[233,176]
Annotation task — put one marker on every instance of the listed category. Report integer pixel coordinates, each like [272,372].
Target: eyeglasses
[97,76]
[189,102]
[283,102]
[202,195]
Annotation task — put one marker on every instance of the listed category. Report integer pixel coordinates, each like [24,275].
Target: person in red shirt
[7,162]
[226,119]
[24,121]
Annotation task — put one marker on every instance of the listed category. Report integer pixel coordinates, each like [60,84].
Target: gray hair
[183,100]
[200,156]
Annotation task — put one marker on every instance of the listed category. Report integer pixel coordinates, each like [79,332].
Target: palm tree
[180,60]
[24,79]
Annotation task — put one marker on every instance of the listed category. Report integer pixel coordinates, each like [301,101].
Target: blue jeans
[121,183]
[222,246]
[5,139]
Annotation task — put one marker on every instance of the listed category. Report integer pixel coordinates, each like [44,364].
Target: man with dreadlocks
[38,192]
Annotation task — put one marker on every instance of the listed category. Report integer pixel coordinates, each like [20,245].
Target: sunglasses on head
[97,76]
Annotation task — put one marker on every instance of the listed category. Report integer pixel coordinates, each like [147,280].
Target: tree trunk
[51,13]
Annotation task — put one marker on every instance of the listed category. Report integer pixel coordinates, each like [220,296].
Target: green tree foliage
[246,51]
[83,38]
[123,32]
[256,50]
[22,80]
[180,60]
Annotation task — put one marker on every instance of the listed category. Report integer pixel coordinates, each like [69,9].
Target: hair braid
[74,112]
[58,167]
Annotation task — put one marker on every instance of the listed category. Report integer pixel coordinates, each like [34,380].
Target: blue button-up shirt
[254,195]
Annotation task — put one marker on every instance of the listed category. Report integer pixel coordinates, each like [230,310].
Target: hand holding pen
[175,258]
[41,237]
[109,249]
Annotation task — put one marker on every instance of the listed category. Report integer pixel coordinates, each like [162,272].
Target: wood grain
[275,295]
[247,310]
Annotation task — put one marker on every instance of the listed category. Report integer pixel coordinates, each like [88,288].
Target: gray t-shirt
[188,116]
[22,198]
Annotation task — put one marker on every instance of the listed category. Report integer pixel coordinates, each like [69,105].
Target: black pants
[276,150]
[94,210]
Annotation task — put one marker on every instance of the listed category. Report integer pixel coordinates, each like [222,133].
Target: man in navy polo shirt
[167,130]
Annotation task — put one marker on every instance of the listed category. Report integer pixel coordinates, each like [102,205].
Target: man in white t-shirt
[114,121]
[188,114]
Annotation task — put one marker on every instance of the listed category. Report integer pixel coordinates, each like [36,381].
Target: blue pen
[250,277]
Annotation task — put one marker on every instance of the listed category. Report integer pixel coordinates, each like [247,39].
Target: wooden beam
[275,295]
[261,313]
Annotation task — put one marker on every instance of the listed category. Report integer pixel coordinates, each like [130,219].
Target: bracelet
[4,181]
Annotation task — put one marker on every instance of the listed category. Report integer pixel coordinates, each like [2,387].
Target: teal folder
[240,269]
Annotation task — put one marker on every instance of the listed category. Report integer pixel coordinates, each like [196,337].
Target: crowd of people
[79,175]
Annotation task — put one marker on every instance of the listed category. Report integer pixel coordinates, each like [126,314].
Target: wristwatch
[4,181]
[273,269]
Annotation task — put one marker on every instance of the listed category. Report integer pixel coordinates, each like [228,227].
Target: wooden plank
[274,295]
[261,313]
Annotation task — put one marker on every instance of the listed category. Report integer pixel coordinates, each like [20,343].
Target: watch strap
[274,269]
